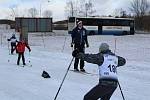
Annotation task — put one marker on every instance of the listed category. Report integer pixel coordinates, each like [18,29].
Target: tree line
[30,12]
[139,10]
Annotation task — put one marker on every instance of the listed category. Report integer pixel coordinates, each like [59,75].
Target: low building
[34,24]
[60,25]
[6,24]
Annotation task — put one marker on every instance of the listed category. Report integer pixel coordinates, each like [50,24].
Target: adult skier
[13,41]
[107,64]
[79,39]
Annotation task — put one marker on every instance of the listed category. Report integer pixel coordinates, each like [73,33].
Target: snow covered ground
[53,54]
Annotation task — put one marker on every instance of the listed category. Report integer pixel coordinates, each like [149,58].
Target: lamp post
[40,9]
[48,1]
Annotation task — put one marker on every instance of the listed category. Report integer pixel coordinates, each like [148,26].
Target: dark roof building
[60,25]
[8,22]
[34,24]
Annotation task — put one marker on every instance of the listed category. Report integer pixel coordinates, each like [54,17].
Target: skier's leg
[81,64]
[16,49]
[23,59]
[95,93]
[76,63]
[102,90]
[107,96]
[19,56]
[11,49]
[82,49]
[76,46]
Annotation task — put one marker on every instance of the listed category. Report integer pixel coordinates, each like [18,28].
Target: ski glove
[75,52]
[87,45]
[71,44]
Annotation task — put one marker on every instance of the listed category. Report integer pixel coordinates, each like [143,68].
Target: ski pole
[43,40]
[118,81]
[115,45]
[30,60]
[121,91]
[64,44]
[8,51]
[1,38]
[29,57]
[63,79]
[8,48]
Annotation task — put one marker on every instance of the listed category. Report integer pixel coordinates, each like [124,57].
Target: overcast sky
[103,7]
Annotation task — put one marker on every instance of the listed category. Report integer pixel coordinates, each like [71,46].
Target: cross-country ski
[84,73]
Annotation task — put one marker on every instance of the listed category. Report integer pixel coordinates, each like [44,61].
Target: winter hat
[103,47]
[45,74]
[78,22]
[13,35]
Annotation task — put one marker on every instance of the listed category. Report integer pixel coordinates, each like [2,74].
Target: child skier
[13,41]
[107,63]
[21,49]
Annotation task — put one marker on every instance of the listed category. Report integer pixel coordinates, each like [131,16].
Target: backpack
[20,47]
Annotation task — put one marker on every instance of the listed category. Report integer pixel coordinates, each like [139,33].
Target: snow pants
[13,46]
[103,90]
[19,56]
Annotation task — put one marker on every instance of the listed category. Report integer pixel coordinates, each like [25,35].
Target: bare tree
[80,8]
[71,8]
[139,7]
[33,12]
[116,13]
[14,12]
[87,8]
[144,7]
[47,13]
[123,13]
[41,6]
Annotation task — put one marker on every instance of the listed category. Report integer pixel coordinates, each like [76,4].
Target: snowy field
[53,54]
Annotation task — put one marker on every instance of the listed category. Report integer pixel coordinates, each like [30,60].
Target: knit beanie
[78,22]
[103,47]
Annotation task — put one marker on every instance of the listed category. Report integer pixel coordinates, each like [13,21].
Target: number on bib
[112,68]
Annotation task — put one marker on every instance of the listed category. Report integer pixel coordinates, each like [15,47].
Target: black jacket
[79,36]
[13,40]
[98,58]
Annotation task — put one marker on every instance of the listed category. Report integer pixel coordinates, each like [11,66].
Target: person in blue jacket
[13,41]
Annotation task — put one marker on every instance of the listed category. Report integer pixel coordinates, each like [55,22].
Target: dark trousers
[81,48]
[103,90]
[13,46]
[19,56]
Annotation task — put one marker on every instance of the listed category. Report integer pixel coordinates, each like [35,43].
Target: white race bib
[108,70]
[13,40]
